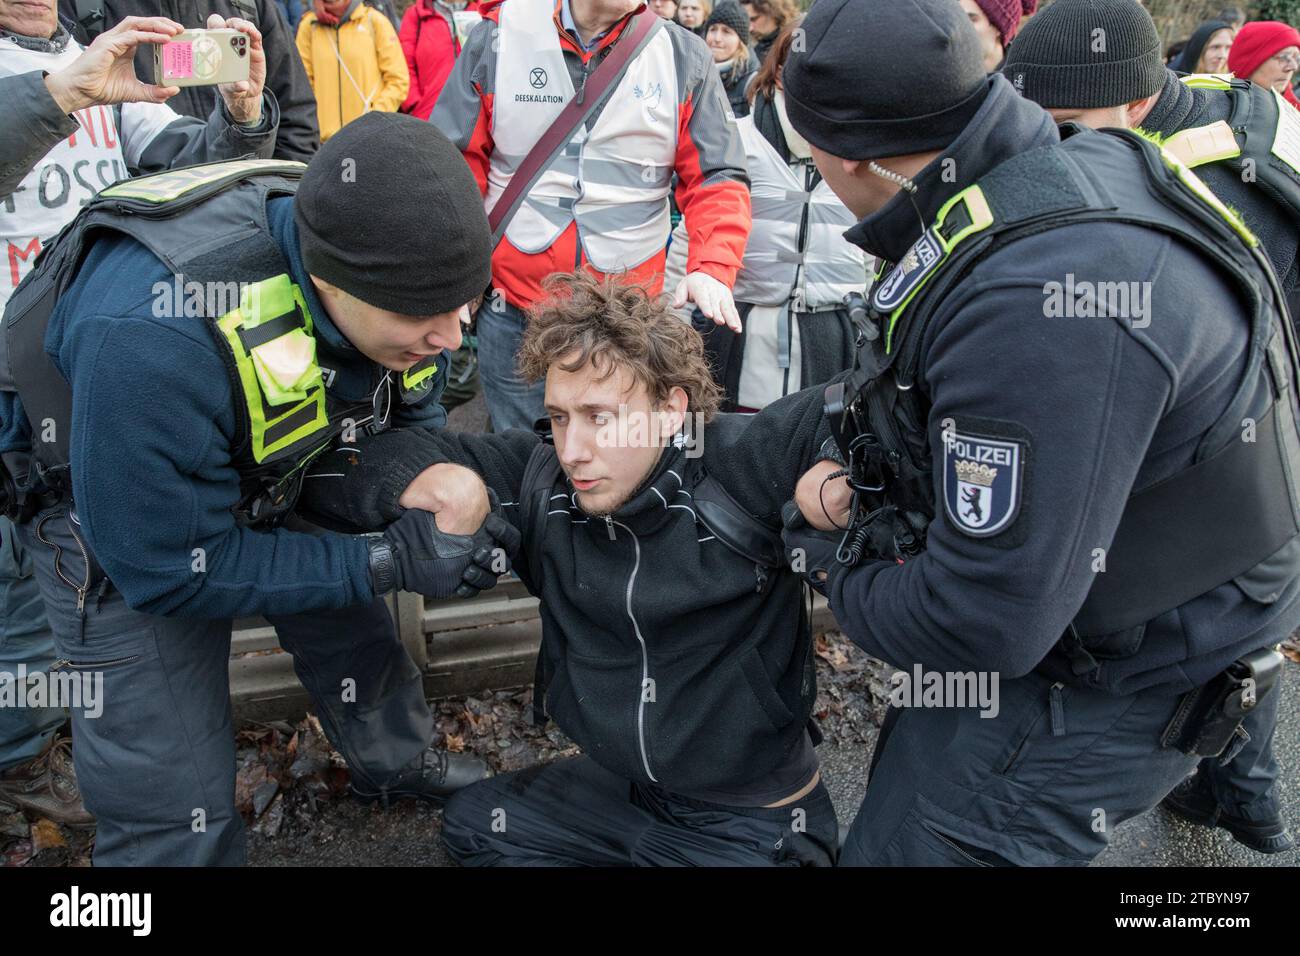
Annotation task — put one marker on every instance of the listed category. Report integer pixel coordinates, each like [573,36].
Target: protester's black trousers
[575,813]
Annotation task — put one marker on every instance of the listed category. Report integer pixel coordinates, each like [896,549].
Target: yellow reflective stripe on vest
[1204,144]
[981,217]
[1203,192]
[1208,81]
[418,374]
[165,186]
[278,416]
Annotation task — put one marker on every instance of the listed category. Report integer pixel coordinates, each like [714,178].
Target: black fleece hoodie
[647,594]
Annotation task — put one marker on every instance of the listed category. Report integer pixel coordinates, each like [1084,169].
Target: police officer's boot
[434,776]
[1193,800]
[46,786]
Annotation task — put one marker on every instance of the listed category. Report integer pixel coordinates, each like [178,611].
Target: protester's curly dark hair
[611,324]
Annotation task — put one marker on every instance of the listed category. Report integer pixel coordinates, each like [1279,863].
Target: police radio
[883,522]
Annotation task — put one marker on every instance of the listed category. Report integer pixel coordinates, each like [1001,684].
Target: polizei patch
[982,479]
[913,269]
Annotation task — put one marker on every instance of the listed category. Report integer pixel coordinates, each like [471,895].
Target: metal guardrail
[462,647]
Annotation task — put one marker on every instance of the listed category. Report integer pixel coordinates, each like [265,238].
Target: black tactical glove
[809,552]
[413,554]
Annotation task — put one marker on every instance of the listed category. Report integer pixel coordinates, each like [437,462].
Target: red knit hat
[1006,15]
[1256,42]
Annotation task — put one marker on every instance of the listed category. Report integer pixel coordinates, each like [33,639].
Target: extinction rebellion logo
[538,79]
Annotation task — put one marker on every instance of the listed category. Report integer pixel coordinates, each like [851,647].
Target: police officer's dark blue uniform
[1042,414]
[144,573]
[1237,137]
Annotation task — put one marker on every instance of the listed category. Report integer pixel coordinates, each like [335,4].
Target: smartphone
[201,58]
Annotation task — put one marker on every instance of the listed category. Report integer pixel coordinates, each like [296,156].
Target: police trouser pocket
[932,836]
[1046,716]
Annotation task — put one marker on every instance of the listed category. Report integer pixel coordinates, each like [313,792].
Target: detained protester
[73,121]
[298,135]
[727,33]
[601,201]
[1267,53]
[1054,64]
[797,269]
[1076,400]
[676,648]
[996,23]
[176,391]
[1206,51]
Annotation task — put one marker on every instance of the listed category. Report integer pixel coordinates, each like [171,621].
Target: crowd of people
[677,210]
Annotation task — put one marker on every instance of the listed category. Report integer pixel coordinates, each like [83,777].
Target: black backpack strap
[540,475]
[735,527]
[722,514]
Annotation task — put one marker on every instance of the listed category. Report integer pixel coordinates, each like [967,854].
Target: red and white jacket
[603,203]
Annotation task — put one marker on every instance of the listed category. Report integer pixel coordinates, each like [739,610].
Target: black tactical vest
[208,225]
[1232,515]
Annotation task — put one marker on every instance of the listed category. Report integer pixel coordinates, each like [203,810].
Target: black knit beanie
[730,14]
[389,212]
[879,78]
[1087,54]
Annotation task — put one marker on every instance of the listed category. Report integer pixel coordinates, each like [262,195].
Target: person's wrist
[63,93]
[830,451]
[242,111]
[383,566]
[422,491]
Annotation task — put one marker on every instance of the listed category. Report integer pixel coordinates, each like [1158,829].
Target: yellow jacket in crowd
[355,64]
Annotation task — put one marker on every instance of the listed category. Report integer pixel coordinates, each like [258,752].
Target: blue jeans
[25,638]
[511,402]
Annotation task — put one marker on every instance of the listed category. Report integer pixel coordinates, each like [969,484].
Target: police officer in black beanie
[1224,130]
[214,330]
[1054,537]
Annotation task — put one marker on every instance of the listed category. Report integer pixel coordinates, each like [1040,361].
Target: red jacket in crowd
[431,47]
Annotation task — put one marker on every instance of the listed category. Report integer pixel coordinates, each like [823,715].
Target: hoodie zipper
[645,657]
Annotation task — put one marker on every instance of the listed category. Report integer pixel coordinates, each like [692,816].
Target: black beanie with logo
[1087,54]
